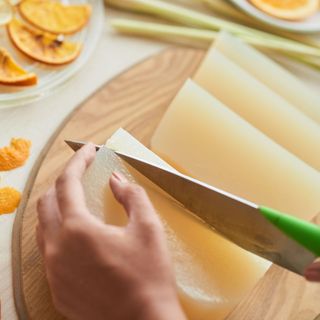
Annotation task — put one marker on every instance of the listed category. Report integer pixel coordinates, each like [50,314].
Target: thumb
[312,273]
[136,202]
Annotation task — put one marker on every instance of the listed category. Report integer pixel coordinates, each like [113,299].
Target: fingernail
[118,176]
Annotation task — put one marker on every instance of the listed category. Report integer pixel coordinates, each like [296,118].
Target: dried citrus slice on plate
[288,9]
[52,16]
[41,46]
[12,74]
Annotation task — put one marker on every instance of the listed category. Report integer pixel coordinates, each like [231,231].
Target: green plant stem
[192,35]
[192,18]
[135,27]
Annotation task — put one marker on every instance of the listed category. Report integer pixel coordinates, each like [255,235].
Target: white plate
[310,25]
[51,78]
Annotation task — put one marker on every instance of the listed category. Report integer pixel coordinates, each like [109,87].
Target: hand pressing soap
[267,71]
[259,105]
[212,274]
[214,144]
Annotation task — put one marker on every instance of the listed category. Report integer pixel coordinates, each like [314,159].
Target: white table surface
[39,120]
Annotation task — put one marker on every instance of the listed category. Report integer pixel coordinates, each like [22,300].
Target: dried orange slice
[41,46]
[288,9]
[12,74]
[9,200]
[15,155]
[54,17]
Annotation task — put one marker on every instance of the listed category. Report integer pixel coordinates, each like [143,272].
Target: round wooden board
[136,101]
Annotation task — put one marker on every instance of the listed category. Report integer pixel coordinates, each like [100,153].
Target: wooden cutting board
[136,101]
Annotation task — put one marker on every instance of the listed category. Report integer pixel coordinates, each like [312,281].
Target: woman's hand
[98,271]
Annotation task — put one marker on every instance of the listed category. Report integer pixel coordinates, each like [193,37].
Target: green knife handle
[305,233]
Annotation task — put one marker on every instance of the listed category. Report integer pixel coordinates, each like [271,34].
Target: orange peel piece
[55,17]
[41,46]
[12,74]
[288,9]
[15,155]
[9,200]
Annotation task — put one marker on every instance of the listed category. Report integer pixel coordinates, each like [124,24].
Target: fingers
[313,272]
[135,201]
[48,213]
[66,198]
[49,220]
[70,195]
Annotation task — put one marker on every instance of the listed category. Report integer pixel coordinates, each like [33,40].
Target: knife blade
[238,220]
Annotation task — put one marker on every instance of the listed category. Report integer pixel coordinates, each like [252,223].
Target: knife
[287,241]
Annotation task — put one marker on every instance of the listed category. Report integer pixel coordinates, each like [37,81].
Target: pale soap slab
[259,105]
[214,144]
[209,284]
[274,76]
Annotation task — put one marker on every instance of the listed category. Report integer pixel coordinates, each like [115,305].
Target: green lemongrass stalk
[310,61]
[192,18]
[137,27]
[192,35]
[156,30]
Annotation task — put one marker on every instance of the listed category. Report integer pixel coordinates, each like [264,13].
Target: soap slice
[213,144]
[212,274]
[274,76]
[259,105]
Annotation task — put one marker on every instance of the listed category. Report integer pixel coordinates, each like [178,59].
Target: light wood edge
[17,281]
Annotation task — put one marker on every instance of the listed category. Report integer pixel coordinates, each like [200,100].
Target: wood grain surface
[280,295]
[136,101]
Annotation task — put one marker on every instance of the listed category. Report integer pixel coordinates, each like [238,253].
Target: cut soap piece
[208,283]
[213,144]
[277,78]
[260,106]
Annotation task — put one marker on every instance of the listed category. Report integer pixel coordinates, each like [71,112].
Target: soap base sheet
[256,103]
[212,274]
[215,145]
[268,72]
